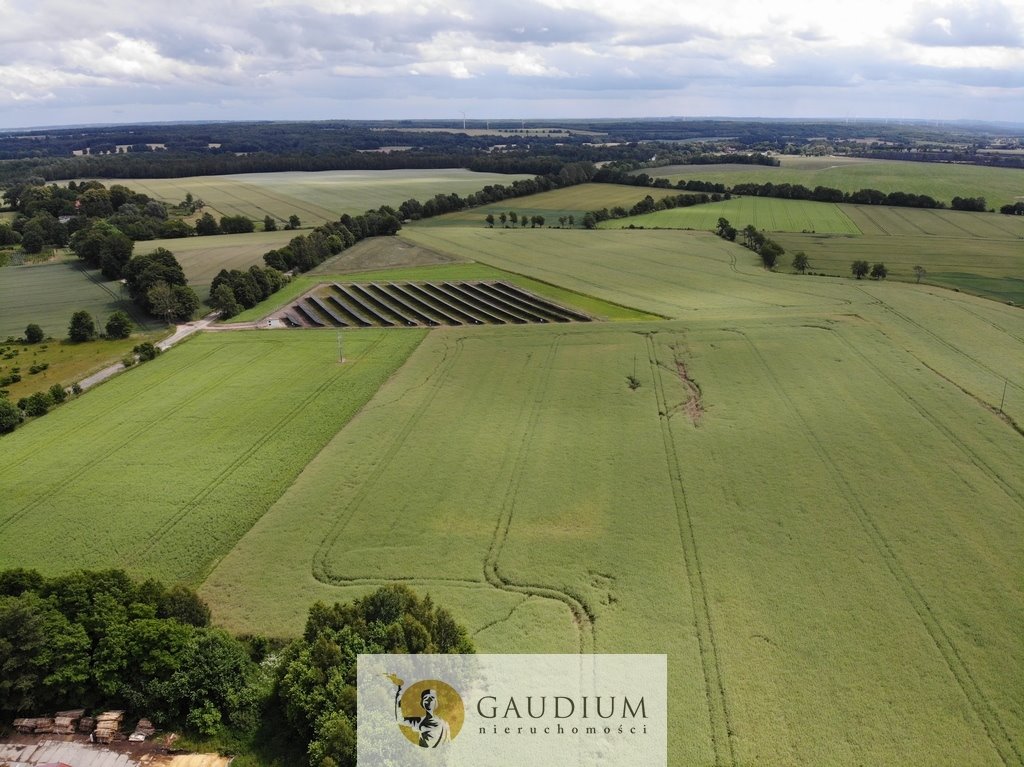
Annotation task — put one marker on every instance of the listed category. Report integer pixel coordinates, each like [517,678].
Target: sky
[126,61]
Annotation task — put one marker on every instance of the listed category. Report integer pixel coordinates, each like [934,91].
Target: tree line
[101,640]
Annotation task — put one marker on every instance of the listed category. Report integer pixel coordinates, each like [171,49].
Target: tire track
[321,569]
[714,687]
[81,470]
[582,615]
[320,566]
[169,524]
[103,415]
[942,341]
[995,730]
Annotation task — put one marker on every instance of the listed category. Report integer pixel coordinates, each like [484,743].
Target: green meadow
[942,181]
[204,438]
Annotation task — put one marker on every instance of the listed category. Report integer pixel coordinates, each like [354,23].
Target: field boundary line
[320,567]
[102,416]
[170,523]
[993,726]
[714,687]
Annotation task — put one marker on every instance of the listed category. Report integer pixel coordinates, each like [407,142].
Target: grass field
[204,438]
[316,197]
[763,212]
[48,294]
[942,181]
[573,200]
[67,362]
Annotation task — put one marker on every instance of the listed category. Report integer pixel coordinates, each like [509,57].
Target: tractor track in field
[321,569]
[169,524]
[1000,739]
[320,565]
[96,459]
[722,733]
[104,415]
[941,341]
[582,614]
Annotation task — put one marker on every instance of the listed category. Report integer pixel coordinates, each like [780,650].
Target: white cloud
[545,52]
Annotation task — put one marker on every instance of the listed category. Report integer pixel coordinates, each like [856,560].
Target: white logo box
[535,710]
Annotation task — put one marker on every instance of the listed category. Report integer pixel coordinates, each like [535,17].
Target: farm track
[714,687]
[96,459]
[999,737]
[169,524]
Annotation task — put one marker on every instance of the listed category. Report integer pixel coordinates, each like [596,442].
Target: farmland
[48,294]
[315,197]
[203,257]
[570,201]
[806,490]
[766,213]
[998,186]
[181,432]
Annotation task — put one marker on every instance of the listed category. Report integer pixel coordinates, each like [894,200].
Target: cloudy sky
[88,61]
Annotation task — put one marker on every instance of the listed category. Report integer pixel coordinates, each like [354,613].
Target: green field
[316,197]
[48,294]
[571,201]
[203,257]
[942,181]
[204,439]
[766,213]
[810,497]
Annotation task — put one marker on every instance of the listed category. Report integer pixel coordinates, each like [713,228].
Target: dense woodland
[177,150]
[99,639]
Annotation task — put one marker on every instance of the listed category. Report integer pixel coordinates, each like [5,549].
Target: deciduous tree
[82,327]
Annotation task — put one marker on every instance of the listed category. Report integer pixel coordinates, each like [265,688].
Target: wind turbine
[463,120]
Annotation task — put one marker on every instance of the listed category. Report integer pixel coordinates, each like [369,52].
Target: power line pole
[341,351]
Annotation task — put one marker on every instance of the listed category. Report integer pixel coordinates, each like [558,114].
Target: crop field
[316,197]
[571,201]
[765,213]
[589,515]
[177,436]
[942,181]
[48,294]
[203,257]
[807,490]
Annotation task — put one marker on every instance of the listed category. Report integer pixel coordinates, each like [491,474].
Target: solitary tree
[489,218]
[119,325]
[34,334]
[860,269]
[82,327]
[572,221]
[920,272]
[800,262]
[269,224]
[503,217]
[294,222]
[513,217]
[879,272]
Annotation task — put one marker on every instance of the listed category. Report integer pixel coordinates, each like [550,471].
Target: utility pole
[341,352]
